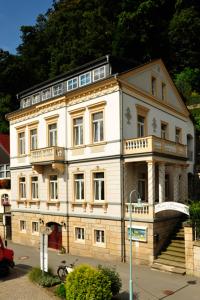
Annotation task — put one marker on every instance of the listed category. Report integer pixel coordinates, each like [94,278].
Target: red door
[55,238]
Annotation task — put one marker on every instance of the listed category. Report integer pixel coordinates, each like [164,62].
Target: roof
[5,142]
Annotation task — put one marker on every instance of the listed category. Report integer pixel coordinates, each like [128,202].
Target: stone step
[179,235]
[172,257]
[177,244]
[165,268]
[176,249]
[170,263]
[178,241]
[174,253]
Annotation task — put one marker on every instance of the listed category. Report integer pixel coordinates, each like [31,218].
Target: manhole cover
[168,292]
[23,257]
[191,282]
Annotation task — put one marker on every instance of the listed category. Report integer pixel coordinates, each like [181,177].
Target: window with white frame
[36,98]
[99,236]
[26,102]
[4,171]
[46,94]
[140,126]
[21,143]
[53,187]
[79,186]
[99,192]
[52,134]
[33,139]
[35,227]
[78,131]
[72,83]
[57,89]
[22,188]
[99,73]
[178,135]
[85,79]
[97,127]
[34,187]
[163,131]
[79,233]
[153,86]
[22,225]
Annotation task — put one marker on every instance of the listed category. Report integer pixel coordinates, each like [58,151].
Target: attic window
[163,91]
[153,86]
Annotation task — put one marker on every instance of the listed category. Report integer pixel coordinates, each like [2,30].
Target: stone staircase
[172,258]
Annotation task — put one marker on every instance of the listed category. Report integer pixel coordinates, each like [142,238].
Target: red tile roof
[5,142]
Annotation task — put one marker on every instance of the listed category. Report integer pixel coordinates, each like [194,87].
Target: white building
[80,143]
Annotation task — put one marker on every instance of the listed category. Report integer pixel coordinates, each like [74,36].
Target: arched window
[5,199]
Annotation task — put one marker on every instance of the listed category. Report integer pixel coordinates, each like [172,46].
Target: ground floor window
[35,227]
[22,225]
[99,236]
[79,234]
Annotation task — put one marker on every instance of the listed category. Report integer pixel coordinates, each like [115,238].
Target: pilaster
[161,169]
[151,182]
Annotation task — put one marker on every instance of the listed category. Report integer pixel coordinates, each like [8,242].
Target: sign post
[44,232]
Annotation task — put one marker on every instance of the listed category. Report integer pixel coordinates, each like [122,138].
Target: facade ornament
[128,115]
[154,125]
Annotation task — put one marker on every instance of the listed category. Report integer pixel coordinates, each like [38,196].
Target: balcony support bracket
[59,167]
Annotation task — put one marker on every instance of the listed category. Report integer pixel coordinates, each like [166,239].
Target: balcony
[151,144]
[49,155]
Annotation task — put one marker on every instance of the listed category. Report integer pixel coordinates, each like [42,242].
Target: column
[151,182]
[175,184]
[161,169]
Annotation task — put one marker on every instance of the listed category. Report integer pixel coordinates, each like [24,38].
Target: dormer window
[46,94]
[99,73]
[153,86]
[72,84]
[85,79]
[36,98]
[57,89]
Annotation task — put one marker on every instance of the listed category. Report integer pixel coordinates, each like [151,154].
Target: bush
[88,283]
[114,278]
[61,291]
[46,279]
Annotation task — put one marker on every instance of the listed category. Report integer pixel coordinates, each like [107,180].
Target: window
[85,79]
[79,186]
[163,95]
[177,135]
[36,98]
[99,193]
[4,171]
[166,186]
[163,131]
[99,236]
[57,89]
[79,233]
[33,139]
[53,187]
[153,86]
[97,127]
[78,131]
[140,126]
[142,187]
[22,225]
[52,135]
[22,188]
[26,102]
[21,143]
[34,187]
[35,227]
[46,94]
[72,84]
[99,73]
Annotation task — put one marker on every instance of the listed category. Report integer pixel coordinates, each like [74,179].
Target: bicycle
[64,269]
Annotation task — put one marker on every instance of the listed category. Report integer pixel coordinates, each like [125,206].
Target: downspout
[123,250]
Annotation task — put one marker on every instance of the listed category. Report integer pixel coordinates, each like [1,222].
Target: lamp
[139,201]
[63,224]
[41,221]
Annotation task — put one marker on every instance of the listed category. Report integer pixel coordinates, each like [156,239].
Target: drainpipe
[123,252]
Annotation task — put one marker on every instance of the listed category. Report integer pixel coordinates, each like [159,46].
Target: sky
[13,15]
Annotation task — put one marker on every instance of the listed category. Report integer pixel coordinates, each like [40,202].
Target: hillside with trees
[73,32]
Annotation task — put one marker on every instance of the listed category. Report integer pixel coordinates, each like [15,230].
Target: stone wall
[192,253]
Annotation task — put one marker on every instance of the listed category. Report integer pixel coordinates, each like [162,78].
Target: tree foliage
[73,32]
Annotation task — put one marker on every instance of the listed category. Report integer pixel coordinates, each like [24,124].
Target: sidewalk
[147,284]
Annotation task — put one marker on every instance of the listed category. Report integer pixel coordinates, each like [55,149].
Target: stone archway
[180,207]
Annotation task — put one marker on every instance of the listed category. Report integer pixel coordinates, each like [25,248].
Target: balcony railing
[154,144]
[49,154]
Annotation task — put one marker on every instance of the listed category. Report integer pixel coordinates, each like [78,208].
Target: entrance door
[55,238]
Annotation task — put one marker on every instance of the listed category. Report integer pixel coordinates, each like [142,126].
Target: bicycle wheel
[62,273]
